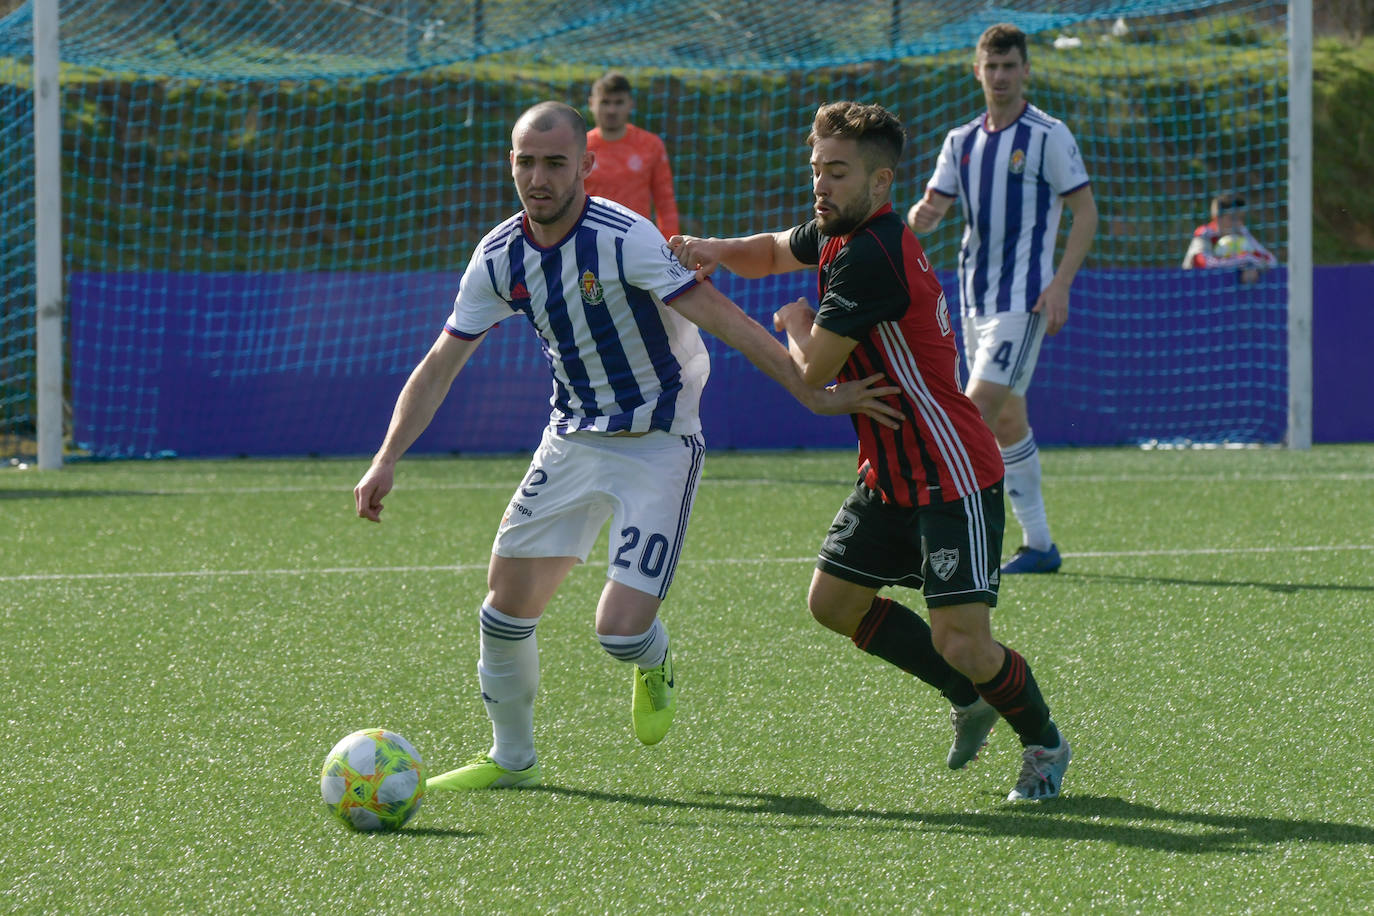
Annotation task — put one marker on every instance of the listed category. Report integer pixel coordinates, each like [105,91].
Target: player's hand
[368,494]
[923,216]
[701,256]
[798,310]
[1053,306]
[863,396]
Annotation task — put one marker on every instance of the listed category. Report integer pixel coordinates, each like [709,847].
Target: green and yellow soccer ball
[373,780]
[1231,246]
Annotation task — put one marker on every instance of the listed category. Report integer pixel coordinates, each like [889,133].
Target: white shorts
[1003,348]
[576,482]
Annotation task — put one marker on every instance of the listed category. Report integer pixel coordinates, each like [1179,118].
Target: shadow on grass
[1282,588]
[1073,817]
[447,833]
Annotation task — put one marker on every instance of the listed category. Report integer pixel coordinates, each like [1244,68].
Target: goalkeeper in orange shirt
[631,166]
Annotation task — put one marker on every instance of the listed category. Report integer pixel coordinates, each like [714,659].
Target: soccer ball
[1230,246]
[373,780]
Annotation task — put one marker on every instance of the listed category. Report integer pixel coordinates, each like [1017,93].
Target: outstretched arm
[424,391]
[710,310]
[749,256]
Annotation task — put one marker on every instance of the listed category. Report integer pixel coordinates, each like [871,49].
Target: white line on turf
[724,561]
[507,485]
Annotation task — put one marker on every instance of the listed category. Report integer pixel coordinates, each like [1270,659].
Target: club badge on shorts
[944,562]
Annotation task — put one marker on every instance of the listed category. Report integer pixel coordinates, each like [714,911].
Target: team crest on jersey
[592,293]
[942,315]
[944,562]
[1017,164]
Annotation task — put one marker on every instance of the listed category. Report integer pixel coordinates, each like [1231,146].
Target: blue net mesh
[267,204]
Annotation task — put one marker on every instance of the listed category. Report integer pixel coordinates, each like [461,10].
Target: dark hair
[877,131]
[613,81]
[545,116]
[1001,38]
[1225,203]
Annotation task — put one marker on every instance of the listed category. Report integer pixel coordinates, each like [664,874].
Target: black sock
[1015,694]
[898,635]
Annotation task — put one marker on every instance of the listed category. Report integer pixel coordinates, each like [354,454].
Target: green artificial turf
[183,641]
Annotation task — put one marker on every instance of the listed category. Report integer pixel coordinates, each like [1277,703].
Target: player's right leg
[870,545]
[1001,351]
[550,526]
[508,671]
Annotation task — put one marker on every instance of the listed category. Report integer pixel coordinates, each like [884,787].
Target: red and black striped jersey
[875,286]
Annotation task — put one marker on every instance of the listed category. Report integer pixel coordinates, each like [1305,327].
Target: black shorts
[950,551]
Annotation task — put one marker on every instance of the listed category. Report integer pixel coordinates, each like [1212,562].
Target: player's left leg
[629,629]
[652,483]
[899,636]
[963,634]
[963,540]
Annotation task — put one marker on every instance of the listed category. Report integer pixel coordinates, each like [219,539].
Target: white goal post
[47,142]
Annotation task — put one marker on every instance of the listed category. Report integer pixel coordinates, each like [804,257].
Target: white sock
[508,671]
[647,650]
[1022,461]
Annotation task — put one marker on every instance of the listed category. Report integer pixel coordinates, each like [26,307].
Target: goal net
[267,205]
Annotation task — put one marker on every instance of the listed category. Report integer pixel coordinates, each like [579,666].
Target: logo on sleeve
[592,293]
[848,305]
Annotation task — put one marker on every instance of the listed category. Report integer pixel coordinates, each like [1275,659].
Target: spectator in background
[1226,242]
[631,166]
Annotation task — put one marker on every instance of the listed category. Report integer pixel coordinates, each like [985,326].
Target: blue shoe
[1028,560]
[1042,772]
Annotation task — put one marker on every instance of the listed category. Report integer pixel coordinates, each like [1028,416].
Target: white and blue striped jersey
[621,359]
[1010,183]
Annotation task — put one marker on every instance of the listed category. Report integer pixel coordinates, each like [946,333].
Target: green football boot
[484,773]
[652,709]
